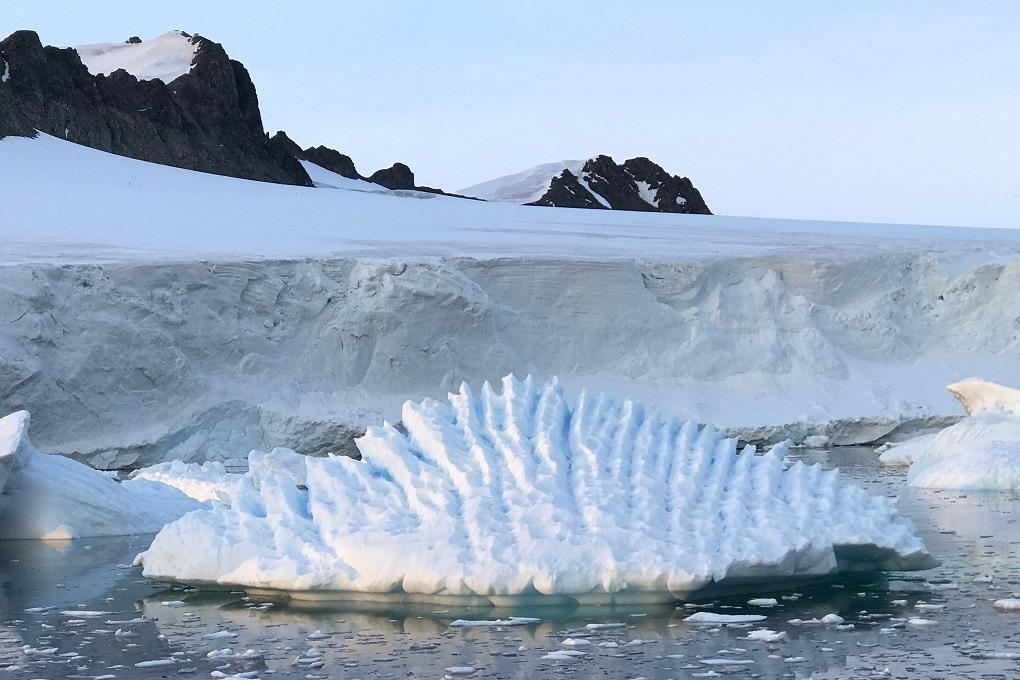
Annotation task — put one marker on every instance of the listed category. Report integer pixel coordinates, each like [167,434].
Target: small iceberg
[981,452]
[46,496]
[527,496]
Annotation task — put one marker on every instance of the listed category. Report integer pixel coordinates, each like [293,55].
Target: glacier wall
[130,364]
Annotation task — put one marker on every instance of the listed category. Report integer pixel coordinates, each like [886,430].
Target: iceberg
[981,452]
[44,496]
[526,496]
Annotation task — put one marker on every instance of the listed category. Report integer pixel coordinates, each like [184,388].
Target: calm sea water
[79,610]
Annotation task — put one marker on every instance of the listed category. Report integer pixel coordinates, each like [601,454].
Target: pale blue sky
[876,110]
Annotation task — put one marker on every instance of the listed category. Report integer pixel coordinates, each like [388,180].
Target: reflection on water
[80,610]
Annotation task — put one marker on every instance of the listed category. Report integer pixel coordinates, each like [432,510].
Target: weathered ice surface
[523,494]
[133,364]
[44,496]
[980,452]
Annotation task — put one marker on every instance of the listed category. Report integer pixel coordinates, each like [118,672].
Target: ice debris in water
[981,452]
[506,497]
[1008,604]
[714,619]
[46,496]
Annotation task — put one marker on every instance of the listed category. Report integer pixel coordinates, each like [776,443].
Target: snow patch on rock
[165,57]
[521,187]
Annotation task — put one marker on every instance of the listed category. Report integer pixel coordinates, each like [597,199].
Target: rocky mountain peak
[638,185]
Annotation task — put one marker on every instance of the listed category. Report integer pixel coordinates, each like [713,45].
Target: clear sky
[874,110]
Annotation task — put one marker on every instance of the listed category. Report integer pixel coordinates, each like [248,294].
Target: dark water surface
[79,610]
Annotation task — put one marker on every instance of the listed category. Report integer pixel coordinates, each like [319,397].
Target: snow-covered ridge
[521,187]
[165,57]
[507,497]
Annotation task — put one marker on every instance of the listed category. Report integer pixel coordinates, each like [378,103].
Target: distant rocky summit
[600,183]
[205,118]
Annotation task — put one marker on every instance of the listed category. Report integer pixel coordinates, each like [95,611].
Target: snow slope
[165,57]
[76,204]
[525,494]
[327,179]
[156,313]
[45,496]
[521,187]
[981,452]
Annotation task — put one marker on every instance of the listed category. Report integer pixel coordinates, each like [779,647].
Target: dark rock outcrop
[332,160]
[637,185]
[565,191]
[207,119]
[397,176]
[282,143]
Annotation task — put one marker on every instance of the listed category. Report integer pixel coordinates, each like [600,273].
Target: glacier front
[524,495]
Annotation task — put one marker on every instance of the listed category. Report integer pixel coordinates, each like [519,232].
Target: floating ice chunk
[565,655]
[832,619]
[763,602]
[711,618]
[766,635]
[981,452]
[575,642]
[605,626]
[534,495]
[1008,604]
[917,621]
[461,670]
[155,663]
[222,634]
[45,496]
[512,621]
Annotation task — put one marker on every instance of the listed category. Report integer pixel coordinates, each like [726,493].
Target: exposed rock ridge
[207,119]
[638,184]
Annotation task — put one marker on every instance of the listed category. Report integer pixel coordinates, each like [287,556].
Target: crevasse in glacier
[507,497]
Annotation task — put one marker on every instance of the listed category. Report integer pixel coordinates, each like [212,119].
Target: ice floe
[44,496]
[507,497]
[981,452]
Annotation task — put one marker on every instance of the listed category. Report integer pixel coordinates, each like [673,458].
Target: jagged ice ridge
[509,497]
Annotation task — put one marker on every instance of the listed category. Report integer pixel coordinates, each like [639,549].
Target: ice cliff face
[133,364]
[504,497]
